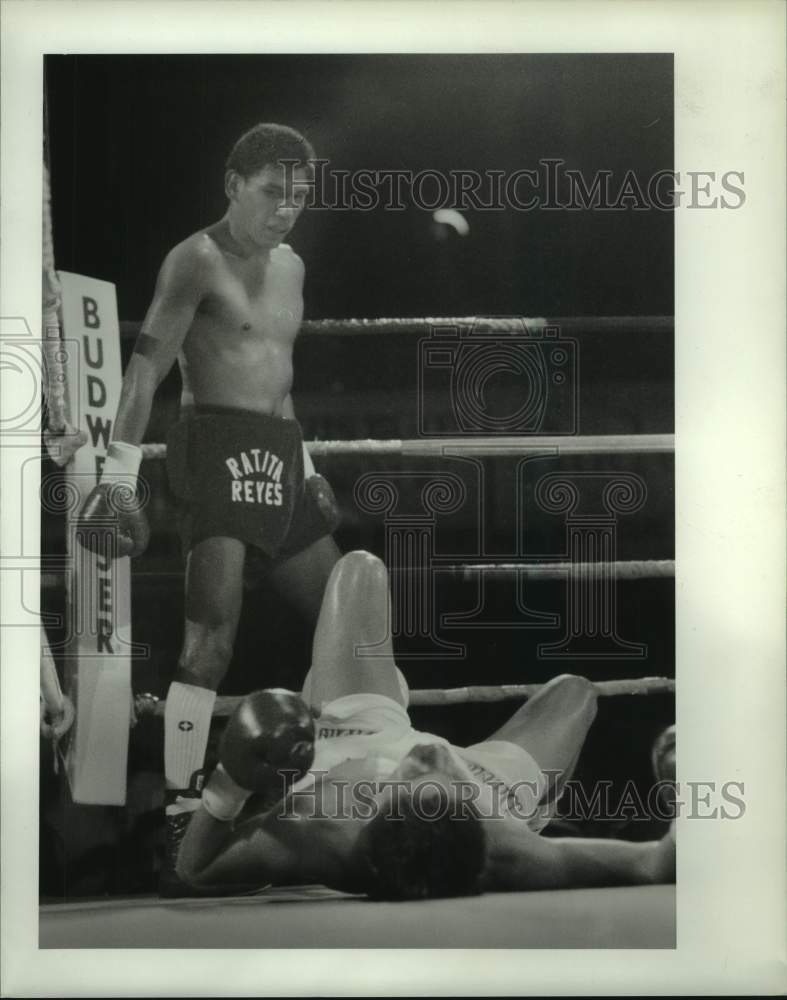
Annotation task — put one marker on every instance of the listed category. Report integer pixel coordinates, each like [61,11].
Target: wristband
[222,797]
[122,463]
[308,465]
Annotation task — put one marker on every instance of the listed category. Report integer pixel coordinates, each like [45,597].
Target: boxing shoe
[180,806]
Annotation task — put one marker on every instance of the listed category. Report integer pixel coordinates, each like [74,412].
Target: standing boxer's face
[266,205]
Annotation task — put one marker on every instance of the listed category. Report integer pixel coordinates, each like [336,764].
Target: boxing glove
[270,731]
[322,493]
[267,744]
[113,506]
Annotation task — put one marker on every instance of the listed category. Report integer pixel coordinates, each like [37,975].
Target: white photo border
[730,452]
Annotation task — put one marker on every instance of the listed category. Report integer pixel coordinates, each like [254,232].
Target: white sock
[186,730]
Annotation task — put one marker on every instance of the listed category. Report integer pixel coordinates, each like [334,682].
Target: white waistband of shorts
[350,705]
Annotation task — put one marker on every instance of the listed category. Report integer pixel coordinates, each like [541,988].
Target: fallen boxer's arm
[219,857]
[519,859]
[268,742]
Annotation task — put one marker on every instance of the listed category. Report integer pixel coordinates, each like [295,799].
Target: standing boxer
[227,306]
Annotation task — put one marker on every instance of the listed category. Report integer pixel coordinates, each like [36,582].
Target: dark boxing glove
[321,492]
[267,744]
[113,507]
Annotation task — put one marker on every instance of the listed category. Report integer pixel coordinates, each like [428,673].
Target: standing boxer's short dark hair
[266,145]
[411,857]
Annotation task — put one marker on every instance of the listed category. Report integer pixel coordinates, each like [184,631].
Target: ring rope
[147,704]
[490,324]
[633,569]
[53,354]
[588,444]
[482,325]
[60,438]
[506,692]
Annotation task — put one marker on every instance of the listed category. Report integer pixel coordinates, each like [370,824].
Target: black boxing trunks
[239,474]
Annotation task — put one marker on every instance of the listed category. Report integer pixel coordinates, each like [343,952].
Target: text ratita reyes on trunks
[251,462]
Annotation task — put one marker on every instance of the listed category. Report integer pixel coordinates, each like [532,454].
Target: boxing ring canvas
[306,917]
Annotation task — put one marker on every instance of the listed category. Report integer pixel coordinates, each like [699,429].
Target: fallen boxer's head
[426,840]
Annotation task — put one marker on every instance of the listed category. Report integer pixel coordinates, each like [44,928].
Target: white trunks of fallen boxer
[377,730]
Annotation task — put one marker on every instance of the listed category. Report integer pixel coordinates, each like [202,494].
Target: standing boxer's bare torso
[238,350]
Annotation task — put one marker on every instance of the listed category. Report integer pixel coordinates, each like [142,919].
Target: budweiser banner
[98,674]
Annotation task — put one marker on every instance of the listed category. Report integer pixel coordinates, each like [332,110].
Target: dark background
[137,146]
